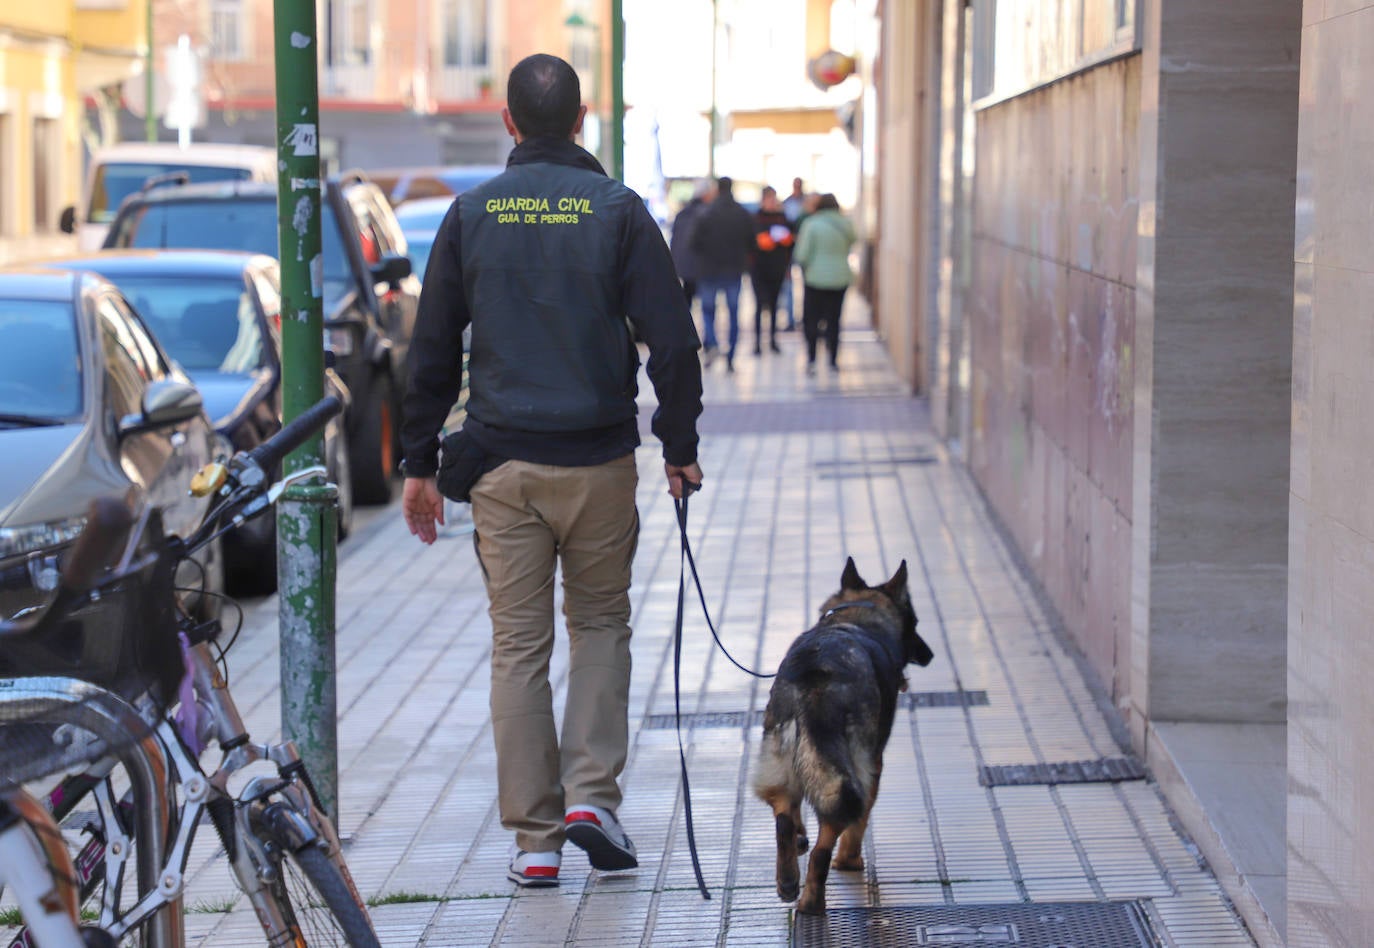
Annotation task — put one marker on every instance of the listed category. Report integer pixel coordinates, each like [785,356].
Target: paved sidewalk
[799,473]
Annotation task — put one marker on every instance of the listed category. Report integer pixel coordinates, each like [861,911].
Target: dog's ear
[850,578]
[896,586]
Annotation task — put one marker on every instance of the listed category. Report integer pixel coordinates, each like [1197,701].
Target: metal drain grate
[910,700]
[894,460]
[1105,770]
[858,468]
[1027,924]
[944,699]
[658,722]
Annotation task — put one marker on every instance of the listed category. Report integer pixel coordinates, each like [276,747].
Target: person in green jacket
[823,254]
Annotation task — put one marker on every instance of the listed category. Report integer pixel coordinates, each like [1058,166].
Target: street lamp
[617,123]
[576,21]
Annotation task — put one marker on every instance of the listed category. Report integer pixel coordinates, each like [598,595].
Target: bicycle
[282,848]
[35,863]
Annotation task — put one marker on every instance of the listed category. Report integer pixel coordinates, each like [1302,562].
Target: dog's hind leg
[803,841]
[785,820]
[818,869]
[849,856]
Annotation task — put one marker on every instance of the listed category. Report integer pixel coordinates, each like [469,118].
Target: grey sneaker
[597,831]
[534,870]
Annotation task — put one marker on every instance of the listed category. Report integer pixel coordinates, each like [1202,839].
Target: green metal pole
[618,90]
[149,111]
[306,516]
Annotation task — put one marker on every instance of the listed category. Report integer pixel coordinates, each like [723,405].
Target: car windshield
[114,181]
[249,225]
[207,325]
[40,364]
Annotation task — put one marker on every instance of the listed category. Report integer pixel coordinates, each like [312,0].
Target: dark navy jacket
[545,262]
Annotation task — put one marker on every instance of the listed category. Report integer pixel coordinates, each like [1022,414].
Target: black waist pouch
[462,462]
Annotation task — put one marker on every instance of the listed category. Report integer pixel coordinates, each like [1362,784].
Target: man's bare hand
[423,507]
[676,476]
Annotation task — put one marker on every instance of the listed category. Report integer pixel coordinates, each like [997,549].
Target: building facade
[52,56]
[401,83]
[1121,247]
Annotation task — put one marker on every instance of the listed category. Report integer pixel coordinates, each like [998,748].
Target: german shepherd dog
[829,716]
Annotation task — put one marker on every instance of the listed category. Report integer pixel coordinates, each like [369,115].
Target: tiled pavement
[799,473]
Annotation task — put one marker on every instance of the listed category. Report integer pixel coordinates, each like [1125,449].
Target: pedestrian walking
[723,242]
[792,207]
[772,265]
[684,225]
[544,262]
[823,254]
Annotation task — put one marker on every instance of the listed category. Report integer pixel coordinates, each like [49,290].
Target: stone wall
[1051,312]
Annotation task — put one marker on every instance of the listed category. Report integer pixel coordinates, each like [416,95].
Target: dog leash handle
[681,506]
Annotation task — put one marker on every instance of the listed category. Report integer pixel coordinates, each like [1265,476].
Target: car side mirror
[165,403]
[392,269]
[67,222]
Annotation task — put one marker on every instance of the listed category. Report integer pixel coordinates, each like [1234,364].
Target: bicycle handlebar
[107,528]
[269,454]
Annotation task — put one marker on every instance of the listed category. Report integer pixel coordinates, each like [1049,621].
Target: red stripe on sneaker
[578,816]
[542,872]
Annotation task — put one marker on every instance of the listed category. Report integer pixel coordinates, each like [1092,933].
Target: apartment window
[47,169]
[227,34]
[348,32]
[1019,45]
[1125,15]
[6,175]
[465,25]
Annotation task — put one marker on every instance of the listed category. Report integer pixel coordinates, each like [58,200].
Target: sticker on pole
[302,139]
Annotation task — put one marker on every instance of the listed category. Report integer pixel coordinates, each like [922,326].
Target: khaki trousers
[528,517]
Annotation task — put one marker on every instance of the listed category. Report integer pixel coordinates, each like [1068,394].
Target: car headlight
[18,541]
[339,339]
[31,563]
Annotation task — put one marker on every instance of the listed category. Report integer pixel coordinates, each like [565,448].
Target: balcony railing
[395,76]
[458,83]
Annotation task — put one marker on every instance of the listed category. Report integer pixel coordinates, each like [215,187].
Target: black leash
[685,560]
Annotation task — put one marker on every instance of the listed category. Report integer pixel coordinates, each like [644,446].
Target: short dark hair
[543,96]
[769,189]
[726,185]
[827,202]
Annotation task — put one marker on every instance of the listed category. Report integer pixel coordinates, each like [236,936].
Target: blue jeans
[785,299]
[708,287]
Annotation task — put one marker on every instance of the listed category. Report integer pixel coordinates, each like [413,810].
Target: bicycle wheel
[320,898]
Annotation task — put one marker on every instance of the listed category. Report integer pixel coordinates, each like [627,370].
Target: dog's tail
[834,782]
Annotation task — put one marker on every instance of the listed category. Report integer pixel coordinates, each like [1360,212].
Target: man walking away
[684,225]
[723,242]
[545,262]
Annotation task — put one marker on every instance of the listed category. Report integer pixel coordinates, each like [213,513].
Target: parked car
[409,184]
[123,169]
[370,293]
[420,220]
[90,406]
[218,314]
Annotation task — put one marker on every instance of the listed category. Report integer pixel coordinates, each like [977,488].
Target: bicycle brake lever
[276,490]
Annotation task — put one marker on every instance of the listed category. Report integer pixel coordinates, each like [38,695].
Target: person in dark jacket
[684,225]
[544,263]
[772,265]
[723,242]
